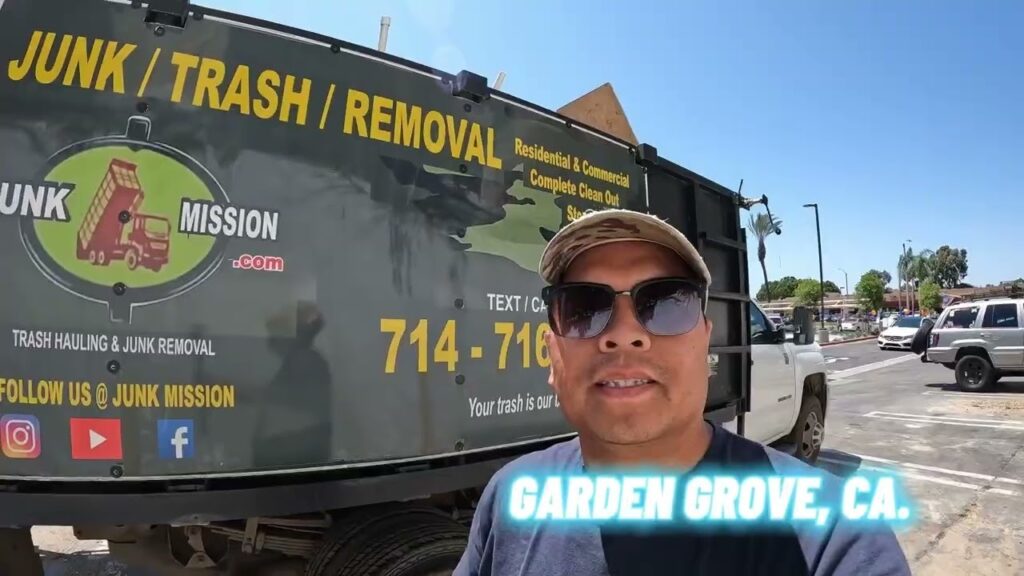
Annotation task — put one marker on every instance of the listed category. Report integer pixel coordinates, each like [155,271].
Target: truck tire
[131,259]
[919,345]
[809,431]
[974,373]
[391,541]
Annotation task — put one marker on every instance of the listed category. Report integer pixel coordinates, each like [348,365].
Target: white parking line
[985,477]
[953,421]
[895,468]
[978,395]
[931,479]
[840,374]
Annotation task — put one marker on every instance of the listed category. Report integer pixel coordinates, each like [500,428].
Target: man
[627,298]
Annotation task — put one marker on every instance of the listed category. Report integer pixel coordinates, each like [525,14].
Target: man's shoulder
[561,457]
[843,547]
[728,449]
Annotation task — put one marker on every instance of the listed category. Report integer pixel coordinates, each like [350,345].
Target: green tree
[916,268]
[786,287]
[762,225]
[870,290]
[931,297]
[782,288]
[949,266]
[922,267]
[808,292]
[884,275]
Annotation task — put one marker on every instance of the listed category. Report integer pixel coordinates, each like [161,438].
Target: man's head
[643,377]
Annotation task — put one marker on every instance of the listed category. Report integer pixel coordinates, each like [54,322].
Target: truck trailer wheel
[391,541]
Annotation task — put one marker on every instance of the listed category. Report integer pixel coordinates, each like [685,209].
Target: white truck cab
[788,388]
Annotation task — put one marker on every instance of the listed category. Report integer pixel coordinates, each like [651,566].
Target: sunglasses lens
[668,307]
[580,311]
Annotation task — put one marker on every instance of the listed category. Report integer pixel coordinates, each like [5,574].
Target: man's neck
[680,451]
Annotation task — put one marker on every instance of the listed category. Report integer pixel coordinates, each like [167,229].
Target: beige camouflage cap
[598,227]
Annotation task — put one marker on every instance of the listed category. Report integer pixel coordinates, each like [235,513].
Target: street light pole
[847,279]
[821,268]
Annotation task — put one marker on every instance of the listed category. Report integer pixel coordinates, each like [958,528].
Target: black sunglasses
[663,306]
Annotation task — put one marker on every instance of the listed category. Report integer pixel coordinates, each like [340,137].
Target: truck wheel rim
[972,372]
[814,433]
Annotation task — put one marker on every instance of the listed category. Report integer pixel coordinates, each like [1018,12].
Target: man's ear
[555,355]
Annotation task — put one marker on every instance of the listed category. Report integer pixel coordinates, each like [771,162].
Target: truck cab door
[1003,335]
[771,381]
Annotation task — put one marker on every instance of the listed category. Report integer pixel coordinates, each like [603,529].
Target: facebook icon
[176,439]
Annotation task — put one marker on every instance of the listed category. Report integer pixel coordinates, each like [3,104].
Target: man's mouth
[624,383]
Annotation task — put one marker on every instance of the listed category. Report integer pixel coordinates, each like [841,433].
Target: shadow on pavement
[838,462]
[1005,386]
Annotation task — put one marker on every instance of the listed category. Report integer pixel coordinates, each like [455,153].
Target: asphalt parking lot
[961,457]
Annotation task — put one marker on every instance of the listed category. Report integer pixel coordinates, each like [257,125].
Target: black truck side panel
[240,256]
[708,214]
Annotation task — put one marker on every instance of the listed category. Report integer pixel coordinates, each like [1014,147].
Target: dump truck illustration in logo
[115,229]
[121,244]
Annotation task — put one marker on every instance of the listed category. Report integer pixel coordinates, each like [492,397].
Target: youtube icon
[95,439]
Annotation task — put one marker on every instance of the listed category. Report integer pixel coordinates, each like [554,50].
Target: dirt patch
[65,555]
[62,540]
[981,542]
[992,406]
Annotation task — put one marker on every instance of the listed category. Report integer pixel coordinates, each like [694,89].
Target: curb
[851,340]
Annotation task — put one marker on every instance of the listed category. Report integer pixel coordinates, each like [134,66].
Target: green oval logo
[104,220]
[124,213]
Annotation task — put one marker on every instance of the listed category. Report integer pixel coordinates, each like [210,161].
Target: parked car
[980,341]
[900,335]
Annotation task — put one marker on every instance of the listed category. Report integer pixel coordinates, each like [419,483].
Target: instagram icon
[19,436]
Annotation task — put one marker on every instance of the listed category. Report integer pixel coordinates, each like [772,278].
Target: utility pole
[847,278]
[821,268]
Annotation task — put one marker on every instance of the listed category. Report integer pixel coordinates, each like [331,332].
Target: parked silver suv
[981,341]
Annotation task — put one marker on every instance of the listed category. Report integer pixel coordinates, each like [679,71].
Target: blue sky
[891,115]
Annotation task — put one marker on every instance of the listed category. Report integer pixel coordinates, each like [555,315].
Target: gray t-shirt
[498,546]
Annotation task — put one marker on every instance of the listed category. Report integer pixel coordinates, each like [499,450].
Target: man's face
[625,350]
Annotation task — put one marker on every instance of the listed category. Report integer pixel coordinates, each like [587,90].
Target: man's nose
[624,331]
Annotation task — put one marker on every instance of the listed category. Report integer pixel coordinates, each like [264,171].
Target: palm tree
[903,267]
[915,268]
[761,225]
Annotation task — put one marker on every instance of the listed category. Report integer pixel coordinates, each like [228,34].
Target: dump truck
[345,342]
[115,229]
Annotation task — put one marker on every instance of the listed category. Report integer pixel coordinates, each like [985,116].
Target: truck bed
[350,297]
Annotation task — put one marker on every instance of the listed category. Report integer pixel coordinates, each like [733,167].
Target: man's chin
[627,432]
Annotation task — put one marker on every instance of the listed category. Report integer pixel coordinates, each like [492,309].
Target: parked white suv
[981,341]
